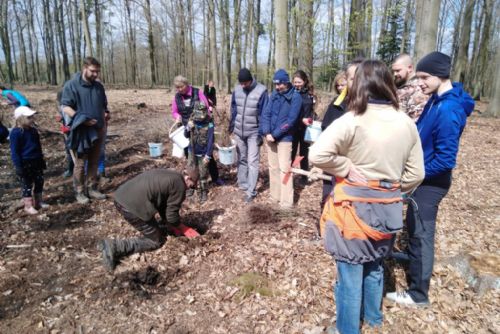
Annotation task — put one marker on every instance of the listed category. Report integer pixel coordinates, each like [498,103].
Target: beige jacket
[383,144]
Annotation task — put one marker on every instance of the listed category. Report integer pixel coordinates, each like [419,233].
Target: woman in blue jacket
[440,127]
[278,123]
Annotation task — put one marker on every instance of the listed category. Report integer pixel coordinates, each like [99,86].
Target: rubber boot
[38,203]
[28,206]
[96,194]
[115,249]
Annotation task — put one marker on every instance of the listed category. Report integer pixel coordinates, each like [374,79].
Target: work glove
[260,141]
[314,174]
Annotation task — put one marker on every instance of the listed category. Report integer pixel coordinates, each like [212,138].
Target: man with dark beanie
[440,127]
[247,103]
[138,200]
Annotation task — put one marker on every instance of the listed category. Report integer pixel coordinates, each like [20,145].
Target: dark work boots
[114,249]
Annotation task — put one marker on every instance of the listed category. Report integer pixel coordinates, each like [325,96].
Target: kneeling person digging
[159,191]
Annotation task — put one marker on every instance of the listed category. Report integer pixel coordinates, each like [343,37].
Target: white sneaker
[404,298]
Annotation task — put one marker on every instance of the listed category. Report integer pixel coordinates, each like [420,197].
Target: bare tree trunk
[358,28]
[22,46]
[281,56]
[131,43]
[460,68]
[456,35]
[4,37]
[78,34]
[86,30]
[191,42]
[151,42]
[28,14]
[49,44]
[227,44]
[293,13]
[61,34]
[483,50]
[256,34]
[406,28]
[213,43]
[427,17]
[306,36]
[98,30]
[272,42]
[237,33]
[248,32]
[494,105]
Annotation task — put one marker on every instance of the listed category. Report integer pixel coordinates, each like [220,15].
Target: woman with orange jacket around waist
[375,153]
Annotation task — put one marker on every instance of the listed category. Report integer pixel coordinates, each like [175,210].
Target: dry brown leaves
[56,284]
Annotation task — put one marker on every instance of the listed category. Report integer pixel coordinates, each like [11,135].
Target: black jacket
[210,94]
[332,113]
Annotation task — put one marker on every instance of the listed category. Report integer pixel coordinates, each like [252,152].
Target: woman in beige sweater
[375,152]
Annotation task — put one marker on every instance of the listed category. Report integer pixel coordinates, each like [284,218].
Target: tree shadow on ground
[66,219]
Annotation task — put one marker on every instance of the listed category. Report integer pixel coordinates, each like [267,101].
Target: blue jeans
[358,295]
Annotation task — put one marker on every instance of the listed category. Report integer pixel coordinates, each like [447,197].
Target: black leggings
[32,175]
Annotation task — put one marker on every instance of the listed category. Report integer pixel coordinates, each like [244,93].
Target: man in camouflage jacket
[411,99]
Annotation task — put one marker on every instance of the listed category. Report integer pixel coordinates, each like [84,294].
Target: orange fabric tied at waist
[340,210]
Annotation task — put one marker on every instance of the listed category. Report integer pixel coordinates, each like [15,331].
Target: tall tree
[460,64]
[131,41]
[61,36]
[427,17]
[213,42]
[5,38]
[257,32]
[482,63]
[306,36]
[86,30]
[151,42]
[281,38]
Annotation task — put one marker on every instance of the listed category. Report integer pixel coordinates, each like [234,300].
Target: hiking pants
[421,225]
[153,234]
[248,150]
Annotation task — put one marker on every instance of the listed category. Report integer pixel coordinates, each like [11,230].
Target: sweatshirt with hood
[440,127]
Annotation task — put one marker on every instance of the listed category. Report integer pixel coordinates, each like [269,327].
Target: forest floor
[255,270]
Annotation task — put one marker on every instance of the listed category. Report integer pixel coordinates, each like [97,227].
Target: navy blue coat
[280,116]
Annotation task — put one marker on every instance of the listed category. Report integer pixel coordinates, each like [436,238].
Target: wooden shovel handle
[306,173]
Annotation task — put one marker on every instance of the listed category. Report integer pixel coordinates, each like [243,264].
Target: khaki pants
[92,159]
[280,160]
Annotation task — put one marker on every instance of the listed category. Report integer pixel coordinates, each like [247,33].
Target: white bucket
[178,137]
[177,151]
[227,155]
[312,132]
[155,149]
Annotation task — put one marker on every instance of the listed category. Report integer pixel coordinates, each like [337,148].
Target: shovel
[295,168]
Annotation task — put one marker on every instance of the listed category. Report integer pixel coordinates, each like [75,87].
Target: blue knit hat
[435,63]
[281,77]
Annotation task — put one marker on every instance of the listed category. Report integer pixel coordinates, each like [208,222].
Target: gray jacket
[246,108]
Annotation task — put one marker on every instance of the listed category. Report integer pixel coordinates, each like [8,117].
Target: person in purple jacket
[278,124]
[440,126]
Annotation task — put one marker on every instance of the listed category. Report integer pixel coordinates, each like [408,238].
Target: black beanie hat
[244,75]
[435,63]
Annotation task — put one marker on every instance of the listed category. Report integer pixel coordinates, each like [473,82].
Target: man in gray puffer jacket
[247,103]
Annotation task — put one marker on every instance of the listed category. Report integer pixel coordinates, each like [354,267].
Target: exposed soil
[254,270]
